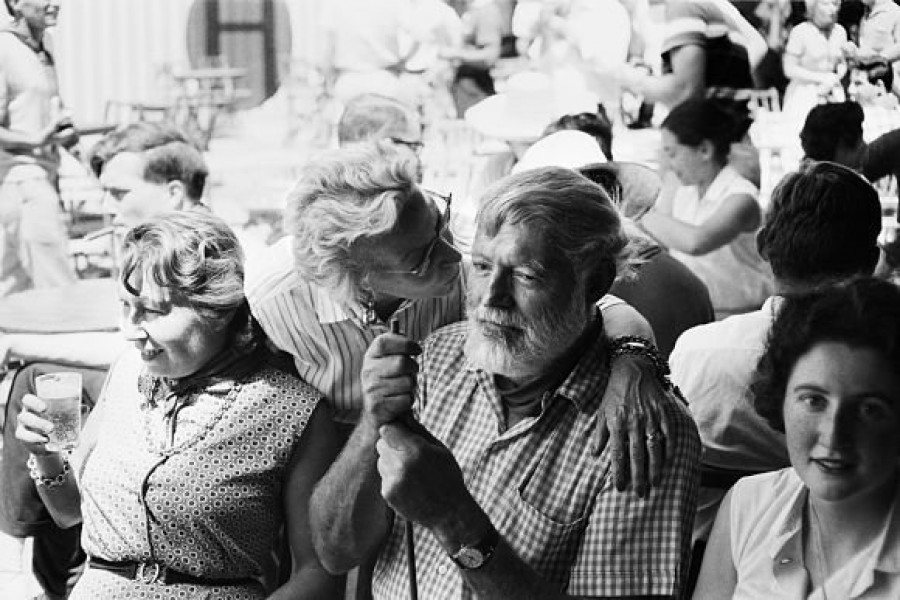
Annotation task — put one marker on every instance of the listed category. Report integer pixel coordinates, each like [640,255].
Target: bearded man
[495,474]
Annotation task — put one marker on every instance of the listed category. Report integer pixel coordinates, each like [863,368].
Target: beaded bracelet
[42,480]
[639,346]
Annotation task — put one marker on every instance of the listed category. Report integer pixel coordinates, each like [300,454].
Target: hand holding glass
[62,393]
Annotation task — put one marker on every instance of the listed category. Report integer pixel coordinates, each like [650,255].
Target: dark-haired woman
[828,527]
[710,221]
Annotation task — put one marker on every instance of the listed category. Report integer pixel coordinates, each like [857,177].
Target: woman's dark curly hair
[864,313]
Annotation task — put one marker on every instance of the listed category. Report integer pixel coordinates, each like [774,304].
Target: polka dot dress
[210,503]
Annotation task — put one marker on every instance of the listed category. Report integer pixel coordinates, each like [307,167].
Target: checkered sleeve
[634,546]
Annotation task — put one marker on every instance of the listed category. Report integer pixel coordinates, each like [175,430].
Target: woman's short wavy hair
[863,313]
[342,198]
[572,214]
[194,256]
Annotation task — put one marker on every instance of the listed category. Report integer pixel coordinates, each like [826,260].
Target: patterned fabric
[327,337]
[212,507]
[550,498]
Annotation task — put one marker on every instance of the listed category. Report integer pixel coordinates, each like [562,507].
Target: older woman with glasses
[201,446]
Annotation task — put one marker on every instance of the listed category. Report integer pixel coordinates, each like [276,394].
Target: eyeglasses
[440,227]
[414,145]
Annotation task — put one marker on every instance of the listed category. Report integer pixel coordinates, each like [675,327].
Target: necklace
[821,556]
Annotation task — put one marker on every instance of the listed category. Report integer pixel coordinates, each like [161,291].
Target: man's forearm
[348,516]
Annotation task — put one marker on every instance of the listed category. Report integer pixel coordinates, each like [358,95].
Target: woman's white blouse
[767,546]
[739,280]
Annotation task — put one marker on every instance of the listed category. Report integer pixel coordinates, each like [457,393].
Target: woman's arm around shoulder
[718,575]
[311,458]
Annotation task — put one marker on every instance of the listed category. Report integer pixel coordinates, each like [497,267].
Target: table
[203,94]
[86,305]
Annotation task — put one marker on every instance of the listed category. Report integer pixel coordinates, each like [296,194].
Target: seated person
[834,132]
[710,221]
[144,169]
[200,446]
[814,59]
[828,526]
[495,476]
[662,289]
[822,227]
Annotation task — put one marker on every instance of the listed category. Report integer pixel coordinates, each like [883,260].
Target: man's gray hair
[370,117]
[342,198]
[572,215]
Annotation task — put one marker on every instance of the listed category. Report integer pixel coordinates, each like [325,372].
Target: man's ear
[177,194]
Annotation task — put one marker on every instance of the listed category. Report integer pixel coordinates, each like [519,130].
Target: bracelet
[635,345]
[42,480]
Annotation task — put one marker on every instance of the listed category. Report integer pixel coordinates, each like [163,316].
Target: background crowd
[567,298]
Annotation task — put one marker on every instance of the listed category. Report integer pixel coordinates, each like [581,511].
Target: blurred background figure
[814,59]
[363,49]
[710,221]
[33,127]
[483,28]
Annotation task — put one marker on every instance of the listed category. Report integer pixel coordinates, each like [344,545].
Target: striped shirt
[550,498]
[328,336]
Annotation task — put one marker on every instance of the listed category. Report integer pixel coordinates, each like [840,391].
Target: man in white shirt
[822,227]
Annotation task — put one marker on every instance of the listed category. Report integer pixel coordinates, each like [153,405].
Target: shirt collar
[328,310]
[786,547]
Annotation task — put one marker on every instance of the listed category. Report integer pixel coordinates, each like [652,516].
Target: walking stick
[408,526]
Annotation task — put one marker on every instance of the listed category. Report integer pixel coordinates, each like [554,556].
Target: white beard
[524,352]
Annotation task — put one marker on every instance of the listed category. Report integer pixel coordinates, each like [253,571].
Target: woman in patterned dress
[201,446]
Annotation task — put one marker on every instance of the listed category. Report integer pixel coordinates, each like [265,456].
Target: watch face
[470,558]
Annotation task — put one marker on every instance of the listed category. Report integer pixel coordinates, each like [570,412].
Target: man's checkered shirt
[552,500]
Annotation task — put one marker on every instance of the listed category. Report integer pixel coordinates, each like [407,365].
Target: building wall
[115,49]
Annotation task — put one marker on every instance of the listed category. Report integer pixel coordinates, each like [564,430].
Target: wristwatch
[476,555]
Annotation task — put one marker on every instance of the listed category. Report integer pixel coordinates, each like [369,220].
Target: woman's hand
[634,421]
[33,429]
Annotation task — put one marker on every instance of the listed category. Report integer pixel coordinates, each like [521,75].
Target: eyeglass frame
[443,224]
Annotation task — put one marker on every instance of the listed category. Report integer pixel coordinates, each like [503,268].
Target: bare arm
[687,79]
[310,460]
[94,349]
[739,213]
[718,576]
[349,518]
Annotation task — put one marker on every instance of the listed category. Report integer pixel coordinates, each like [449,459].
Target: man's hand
[388,379]
[420,478]
[634,421]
